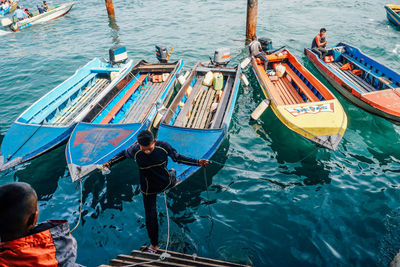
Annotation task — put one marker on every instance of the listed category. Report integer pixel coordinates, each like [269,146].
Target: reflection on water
[44,172]
[112,23]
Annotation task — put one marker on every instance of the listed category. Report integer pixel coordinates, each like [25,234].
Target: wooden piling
[110,9]
[251,24]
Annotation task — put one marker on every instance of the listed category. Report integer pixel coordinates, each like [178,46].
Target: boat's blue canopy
[94,144]
[25,141]
[194,143]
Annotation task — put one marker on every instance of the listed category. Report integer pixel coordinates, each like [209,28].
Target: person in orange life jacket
[25,243]
[152,158]
[319,44]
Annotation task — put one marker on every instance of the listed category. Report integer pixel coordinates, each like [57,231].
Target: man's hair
[145,138]
[254,37]
[17,202]
[322,30]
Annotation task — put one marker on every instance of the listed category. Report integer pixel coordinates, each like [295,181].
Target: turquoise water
[279,200]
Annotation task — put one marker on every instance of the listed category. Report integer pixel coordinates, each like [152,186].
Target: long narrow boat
[9,9]
[113,125]
[393,14]
[52,13]
[300,101]
[50,120]
[198,119]
[376,88]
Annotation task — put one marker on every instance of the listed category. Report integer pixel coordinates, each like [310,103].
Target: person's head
[254,38]
[44,3]
[146,141]
[18,7]
[322,32]
[18,210]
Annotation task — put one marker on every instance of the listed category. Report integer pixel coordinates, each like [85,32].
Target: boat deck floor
[200,106]
[146,97]
[281,89]
[67,115]
[361,84]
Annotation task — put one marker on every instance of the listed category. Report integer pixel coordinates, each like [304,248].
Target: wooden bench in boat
[123,100]
[302,86]
[69,113]
[361,84]
[382,80]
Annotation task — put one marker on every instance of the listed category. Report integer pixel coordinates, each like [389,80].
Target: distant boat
[52,13]
[393,14]
[51,119]
[126,110]
[198,118]
[376,88]
[9,9]
[300,101]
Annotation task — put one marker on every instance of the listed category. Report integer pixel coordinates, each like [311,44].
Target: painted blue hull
[92,144]
[198,143]
[49,121]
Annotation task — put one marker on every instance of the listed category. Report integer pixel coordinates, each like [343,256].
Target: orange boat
[299,100]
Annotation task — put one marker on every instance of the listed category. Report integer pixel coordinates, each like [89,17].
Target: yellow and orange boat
[299,100]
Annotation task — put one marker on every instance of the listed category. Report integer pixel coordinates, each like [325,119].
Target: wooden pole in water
[110,9]
[251,24]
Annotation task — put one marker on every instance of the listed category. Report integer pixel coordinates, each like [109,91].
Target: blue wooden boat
[368,84]
[393,14]
[198,119]
[129,108]
[50,120]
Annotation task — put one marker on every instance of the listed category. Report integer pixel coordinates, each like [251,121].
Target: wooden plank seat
[382,80]
[302,86]
[123,100]
[361,84]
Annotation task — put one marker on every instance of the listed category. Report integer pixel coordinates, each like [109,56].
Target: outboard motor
[266,45]
[118,54]
[161,53]
[222,56]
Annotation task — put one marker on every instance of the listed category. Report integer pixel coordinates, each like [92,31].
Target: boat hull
[323,122]
[392,15]
[24,142]
[384,103]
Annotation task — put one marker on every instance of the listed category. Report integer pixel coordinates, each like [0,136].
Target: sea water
[278,200]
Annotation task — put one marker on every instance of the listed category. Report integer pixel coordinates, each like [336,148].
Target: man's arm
[176,157]
[127,153]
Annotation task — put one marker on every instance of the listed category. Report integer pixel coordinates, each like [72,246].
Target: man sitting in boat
[152,158]
[319,44]
[40,9]
[256,49]
[5,5]
[28,13]
[23,243]
[45,6]
[19,14]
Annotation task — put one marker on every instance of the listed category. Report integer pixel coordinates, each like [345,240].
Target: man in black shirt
[152,158]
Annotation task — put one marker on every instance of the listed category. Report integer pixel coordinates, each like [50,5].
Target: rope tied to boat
[80,207]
